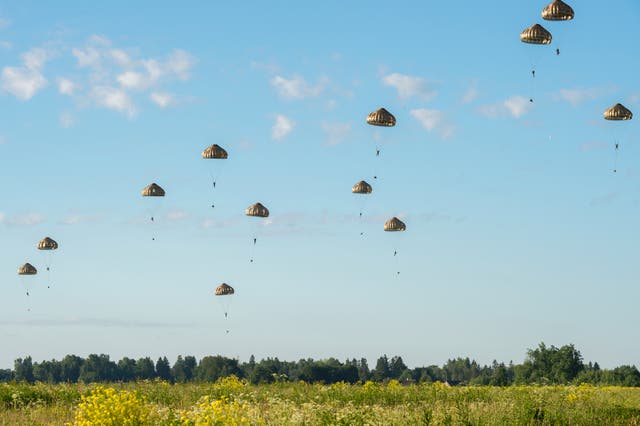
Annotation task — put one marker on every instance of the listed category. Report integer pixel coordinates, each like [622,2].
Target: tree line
[542,365]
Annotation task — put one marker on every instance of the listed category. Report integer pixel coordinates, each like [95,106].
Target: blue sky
[517,232]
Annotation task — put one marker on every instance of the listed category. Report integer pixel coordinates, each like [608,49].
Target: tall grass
[234,402]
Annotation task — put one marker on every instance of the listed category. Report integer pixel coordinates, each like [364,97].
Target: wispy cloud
[282,127]
[4,22]
[432,119]
[175,215]
[471,94]
[26,80]
[116,77]
[95,322]
[24,219]
[409,86]
[76,218]
[336,132]
[5,45]
[66,119]
[3,140]
[114,98]
[163,100]
[66,86]
[580,95]
[604,199]
[515,106]
[268,67]
[593,145]
[296,88]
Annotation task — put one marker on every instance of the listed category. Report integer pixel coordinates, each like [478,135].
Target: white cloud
[163,100]
[515,106]
[432,119]
[296,87]
[471,94]
[120,57]
[175,215]
[26,219]
[2,217]
[87,57]
[132,80]
[112,98]
[336,132]
[66,86]
[408,86]
[66,120]
[75,218]
[282,127]
[180,64]
[25,81]
[2,140]
[579,95]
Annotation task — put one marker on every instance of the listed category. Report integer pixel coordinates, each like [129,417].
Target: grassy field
[232,402]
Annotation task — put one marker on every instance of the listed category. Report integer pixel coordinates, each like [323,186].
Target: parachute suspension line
[615,160]
[252,251]
[532,84]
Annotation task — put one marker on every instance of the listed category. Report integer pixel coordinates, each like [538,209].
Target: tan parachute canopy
[535,34]
[215,151]
[224,290]
[618,112]
[557,10]
[47,244]
[381,117]
[394,224]
[153,190]
[361,187]
[258,210]
[27,269]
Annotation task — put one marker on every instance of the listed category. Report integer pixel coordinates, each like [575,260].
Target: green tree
[70,368]
[145,369]
[23,370]
[163,368]
[382,371]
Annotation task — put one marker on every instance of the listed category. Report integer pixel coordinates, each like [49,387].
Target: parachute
[361,187]
[224,289]
[557,10]
[381,117]
[618,112]
[535,34]
[26,271]
[257,210]
[47,246]
[155,191]
[222,292]
[394,225]
[214,152]
[260,211]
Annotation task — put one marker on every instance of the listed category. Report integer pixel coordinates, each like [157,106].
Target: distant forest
[543,365]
